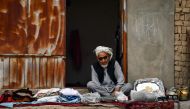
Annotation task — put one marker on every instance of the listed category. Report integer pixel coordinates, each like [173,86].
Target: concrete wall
[96,22]
[150,40]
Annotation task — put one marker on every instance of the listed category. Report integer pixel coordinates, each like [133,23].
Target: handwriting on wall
[147,27]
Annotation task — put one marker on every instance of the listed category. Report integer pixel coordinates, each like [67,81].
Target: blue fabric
[69,99]
[11,104]
[56,99]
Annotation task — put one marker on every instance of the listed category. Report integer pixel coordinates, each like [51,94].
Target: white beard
[104,66]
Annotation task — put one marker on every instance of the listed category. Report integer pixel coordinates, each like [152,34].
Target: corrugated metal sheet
[32,72]
[32,43]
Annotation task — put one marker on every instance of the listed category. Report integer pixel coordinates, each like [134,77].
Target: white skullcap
[103,49]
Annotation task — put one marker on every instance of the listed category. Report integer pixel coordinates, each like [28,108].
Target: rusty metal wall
[32,43]
[32,72]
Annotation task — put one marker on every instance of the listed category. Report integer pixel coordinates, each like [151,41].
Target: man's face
[103,58]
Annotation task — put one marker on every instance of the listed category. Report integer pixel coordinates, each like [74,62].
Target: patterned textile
[152,105]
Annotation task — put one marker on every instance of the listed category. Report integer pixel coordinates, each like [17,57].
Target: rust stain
[44,32]
[13,72]
[20,72]
[61,72]
[12,27]
[37,28]
[42,75]
[56,76]
[50,74]
[33,72]
[29,73]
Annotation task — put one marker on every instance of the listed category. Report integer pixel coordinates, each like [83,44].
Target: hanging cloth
[75,49]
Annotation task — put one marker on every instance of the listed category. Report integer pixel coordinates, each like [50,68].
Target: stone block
[177,5]
[182,17]
[188,50]
[180,81]
[177,15]
[184,49]
[179,29]
[184,43]
[184,70]
[178,42]
[183,37]
[175,29]
[186,23]
[188,28]
[188,4]
[187,16]
[181,63]
[178,10]
[178,68]
[176,74]
[183,30]
[177,37]
[177,58]
[183,4]
[179,22]
[176,48]
[176,63]
[187,64]
[186,10]
[184,57]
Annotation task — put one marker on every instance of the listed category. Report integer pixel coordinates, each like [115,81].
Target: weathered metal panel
[13,26]
[32,43]
[21,69]
[1,72]
[29,82]
[32,27]
[50,74]
[32,72]
[60,73]
[43,69]
[36,69]
[46,27]
[6,72]
[13,73]
[56,74]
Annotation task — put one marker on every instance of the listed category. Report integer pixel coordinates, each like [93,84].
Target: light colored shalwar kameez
[107,86]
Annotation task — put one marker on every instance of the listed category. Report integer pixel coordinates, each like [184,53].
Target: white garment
[69,91]
[121,97]
[104,49]
[45,92]
[48,99]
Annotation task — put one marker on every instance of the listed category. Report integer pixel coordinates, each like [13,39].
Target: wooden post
[123,4]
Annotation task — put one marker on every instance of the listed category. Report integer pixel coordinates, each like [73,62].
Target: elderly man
[107,76]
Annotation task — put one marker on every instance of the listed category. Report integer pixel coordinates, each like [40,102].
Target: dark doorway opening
[90,23]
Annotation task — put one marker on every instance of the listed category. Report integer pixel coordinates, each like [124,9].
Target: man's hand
[116,89]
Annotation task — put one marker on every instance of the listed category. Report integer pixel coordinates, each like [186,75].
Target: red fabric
[152,105]
[50,103]
[6,98]
[132,105]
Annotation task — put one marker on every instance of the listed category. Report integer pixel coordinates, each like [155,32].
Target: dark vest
[110,69]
